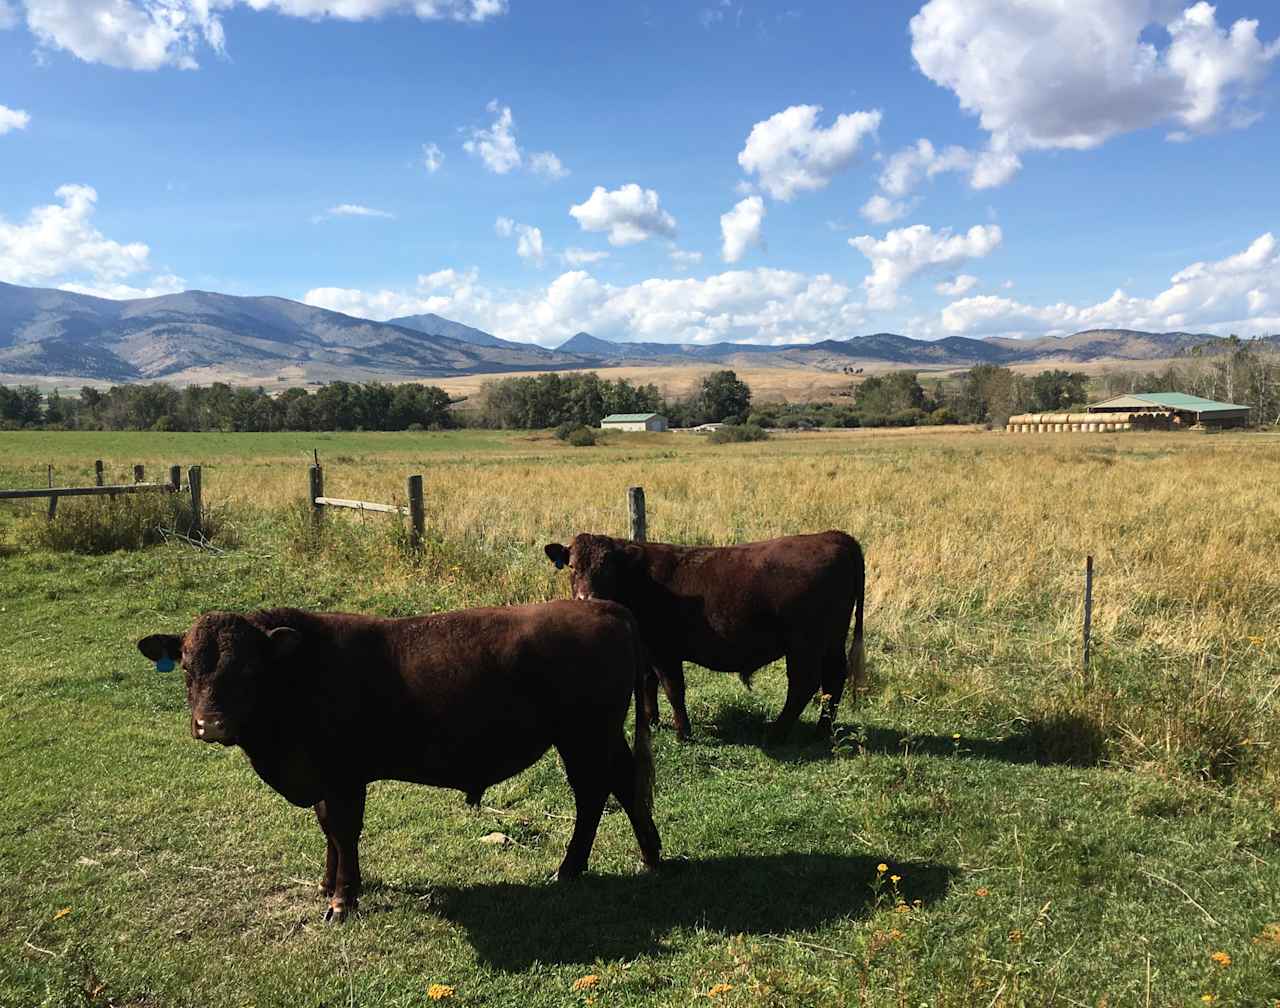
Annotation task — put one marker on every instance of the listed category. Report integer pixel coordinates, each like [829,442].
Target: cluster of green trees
[336,406]
[532,402]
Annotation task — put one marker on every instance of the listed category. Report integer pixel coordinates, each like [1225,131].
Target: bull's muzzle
[211,729]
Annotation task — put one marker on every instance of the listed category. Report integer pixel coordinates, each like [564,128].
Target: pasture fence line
[102,488]
[416,511]
[639,528]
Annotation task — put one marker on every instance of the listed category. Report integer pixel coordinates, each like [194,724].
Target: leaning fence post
[635,505]
[417,515]
[193,480]
[53,501]
[317,491]
[1088,606]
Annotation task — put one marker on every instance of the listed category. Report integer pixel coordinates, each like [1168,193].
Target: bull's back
[743,606]
[467,698]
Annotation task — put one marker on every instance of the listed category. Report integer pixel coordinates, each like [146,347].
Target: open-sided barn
[1184,409]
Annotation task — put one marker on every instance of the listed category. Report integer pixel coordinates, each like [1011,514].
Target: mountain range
[200,336]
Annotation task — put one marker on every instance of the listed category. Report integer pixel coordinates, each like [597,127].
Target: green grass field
[1050,837]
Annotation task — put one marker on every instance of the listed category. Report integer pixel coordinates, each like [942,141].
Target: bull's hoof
[338,910]
[567,873]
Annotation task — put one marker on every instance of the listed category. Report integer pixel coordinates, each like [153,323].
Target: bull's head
[224,658]
[598,565]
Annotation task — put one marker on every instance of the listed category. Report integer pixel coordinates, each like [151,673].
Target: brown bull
[325,703]
[735,609]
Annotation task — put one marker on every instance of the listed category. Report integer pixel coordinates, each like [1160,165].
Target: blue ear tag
[165,664]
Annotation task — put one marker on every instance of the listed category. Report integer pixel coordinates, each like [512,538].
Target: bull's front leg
[342,819]
[651,697]
[330,877]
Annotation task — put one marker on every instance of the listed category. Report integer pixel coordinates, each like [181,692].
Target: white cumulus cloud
[432,157]
[790,153]
[149,34]
[546,163]
[761,306]
[12,119]
[879,209]
[528,239]
[903,253]
[498,149]
[59,242]
[629,214]
[1043,74]
[1229,295]
[957,285]
[740,228]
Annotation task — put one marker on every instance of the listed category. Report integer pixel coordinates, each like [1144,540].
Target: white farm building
[634,422]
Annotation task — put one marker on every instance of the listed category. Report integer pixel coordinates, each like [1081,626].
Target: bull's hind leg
[587,767]
[802,682]
[651,697]
[835,670]
[623,784]
[672,675]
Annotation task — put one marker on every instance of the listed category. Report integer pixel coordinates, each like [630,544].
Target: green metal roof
[1172,400]
[629,417]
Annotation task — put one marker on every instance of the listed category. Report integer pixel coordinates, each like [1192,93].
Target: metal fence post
[1088,607]
[635,505]
[417,514]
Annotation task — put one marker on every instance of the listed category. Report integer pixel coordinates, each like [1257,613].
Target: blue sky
[667,171]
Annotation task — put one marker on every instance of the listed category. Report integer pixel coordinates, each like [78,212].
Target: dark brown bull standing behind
[735,609]
[325,703]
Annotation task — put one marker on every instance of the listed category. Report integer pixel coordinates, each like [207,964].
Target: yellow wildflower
[895,934]
[983,891]
[1221,958]
[1208,998]
[1015,935]
[718,989]
[438,992]
[895,879]
[586,982]
[62,913]
[902,908]
[956,736]
[882,867]
[1257,641]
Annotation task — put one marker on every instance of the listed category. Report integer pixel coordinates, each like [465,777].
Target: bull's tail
[644,736]
[857,652]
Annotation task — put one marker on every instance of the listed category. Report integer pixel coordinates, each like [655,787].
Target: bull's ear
[161,646]
[284,641]
[557,554]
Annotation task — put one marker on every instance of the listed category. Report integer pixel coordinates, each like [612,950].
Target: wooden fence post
[635,505]
[417,514]
[175,478]
[1088,606]
[53,501]
[97,472]
[139,472]
[317,491]
[193,481]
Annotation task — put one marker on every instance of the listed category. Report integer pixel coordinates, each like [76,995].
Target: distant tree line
[220,407]
[584,399]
